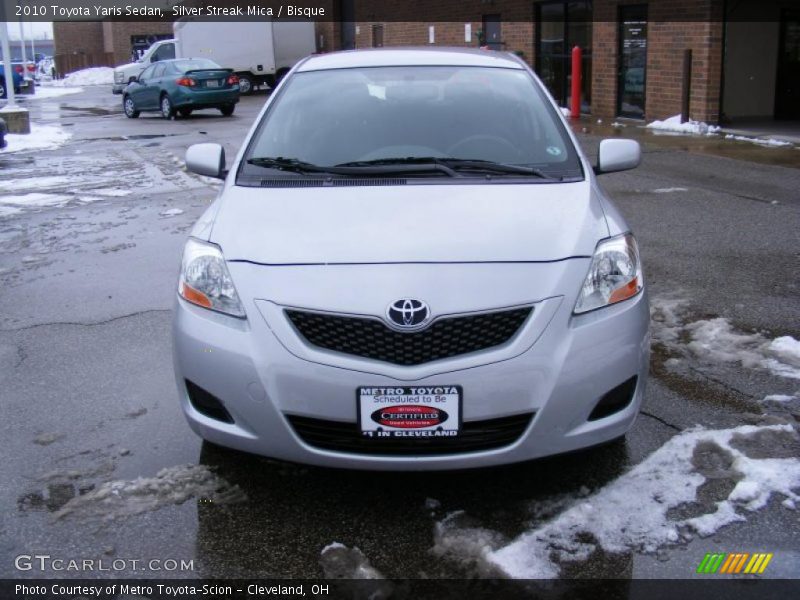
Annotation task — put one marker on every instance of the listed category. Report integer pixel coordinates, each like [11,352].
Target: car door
[138,89]
[154,86]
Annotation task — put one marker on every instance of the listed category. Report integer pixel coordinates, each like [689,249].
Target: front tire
[227,110]
[167,110]
[129,107]
[245,84]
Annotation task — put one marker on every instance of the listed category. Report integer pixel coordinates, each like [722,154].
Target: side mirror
[206,159]
[133,79]
[618,155]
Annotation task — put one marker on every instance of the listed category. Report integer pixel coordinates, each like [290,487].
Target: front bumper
[557,367]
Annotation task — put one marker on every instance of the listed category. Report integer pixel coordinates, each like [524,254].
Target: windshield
[381,115]
[194,64]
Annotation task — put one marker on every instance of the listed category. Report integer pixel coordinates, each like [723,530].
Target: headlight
[205,280]
[614,275]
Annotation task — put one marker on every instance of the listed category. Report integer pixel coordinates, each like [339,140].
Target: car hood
[134,66]
[409,223]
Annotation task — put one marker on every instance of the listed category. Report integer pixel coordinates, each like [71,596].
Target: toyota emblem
[408,313]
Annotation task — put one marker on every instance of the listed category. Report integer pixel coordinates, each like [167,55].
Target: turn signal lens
[615,274]
[206,281]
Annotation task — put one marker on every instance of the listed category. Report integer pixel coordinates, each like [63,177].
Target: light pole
[7,72]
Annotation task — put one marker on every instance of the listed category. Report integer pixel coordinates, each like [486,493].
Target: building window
[560,26]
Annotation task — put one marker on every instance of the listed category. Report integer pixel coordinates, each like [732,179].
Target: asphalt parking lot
[99,463]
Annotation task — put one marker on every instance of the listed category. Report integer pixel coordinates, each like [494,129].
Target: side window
[158,71]
[147,74]
[165,52]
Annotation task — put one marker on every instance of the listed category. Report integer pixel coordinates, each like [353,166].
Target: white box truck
[259,52]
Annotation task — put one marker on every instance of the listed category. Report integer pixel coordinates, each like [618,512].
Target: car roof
[410,56]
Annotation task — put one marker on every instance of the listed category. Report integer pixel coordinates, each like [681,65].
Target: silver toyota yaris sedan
[410,266]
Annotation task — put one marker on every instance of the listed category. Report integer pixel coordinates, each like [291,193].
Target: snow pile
[173,485]
[13,204]
[674,124]
[91,76]
[779,398]
[565,111]
[41,137]
[716,340]
[340,562]
[670,190]
[761,141]
[44,93]
[640,511]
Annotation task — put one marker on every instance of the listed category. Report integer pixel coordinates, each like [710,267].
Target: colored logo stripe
[734,563]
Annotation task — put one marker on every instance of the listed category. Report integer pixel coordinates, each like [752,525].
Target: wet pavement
[99,463]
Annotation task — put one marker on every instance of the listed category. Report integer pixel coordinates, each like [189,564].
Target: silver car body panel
[462,249]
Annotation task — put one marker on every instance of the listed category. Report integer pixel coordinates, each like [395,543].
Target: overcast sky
[40,30]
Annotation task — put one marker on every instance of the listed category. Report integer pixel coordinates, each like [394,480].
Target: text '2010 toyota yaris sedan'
[410,266]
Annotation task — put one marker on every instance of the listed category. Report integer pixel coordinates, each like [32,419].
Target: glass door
[632,61]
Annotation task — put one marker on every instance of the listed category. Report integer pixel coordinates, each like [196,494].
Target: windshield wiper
[456,165]
[287,164]
[391,166]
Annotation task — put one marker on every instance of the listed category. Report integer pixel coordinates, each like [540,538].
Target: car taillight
[186,82]
[31,68]
[233,80]
[18,68]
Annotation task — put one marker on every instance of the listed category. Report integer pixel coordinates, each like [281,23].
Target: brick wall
[667,38]
[78,37]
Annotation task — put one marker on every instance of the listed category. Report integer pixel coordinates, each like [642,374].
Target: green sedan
[182,86]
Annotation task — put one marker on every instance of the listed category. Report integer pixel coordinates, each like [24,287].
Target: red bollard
[575,105]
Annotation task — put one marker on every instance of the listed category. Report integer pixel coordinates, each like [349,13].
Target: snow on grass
[640,510]
[674,124]
[173,485]
[91,76]
[717,341]
[41,137]
[761,141]
[46,92]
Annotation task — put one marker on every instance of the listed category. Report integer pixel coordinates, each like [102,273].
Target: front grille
[445,338]
[475,436]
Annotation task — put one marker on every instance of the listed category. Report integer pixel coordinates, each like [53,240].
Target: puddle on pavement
[92,110]
[713,145]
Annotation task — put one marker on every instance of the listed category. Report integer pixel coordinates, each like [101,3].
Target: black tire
[185,112]
[227,110]
[129,107]
[246,86]
[167,109]
[2,88]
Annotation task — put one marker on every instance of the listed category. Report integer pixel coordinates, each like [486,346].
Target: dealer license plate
[409,412]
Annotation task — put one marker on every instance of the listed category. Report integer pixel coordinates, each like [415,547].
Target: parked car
[124,74]
[182,86]
[17,77]
[410,266]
